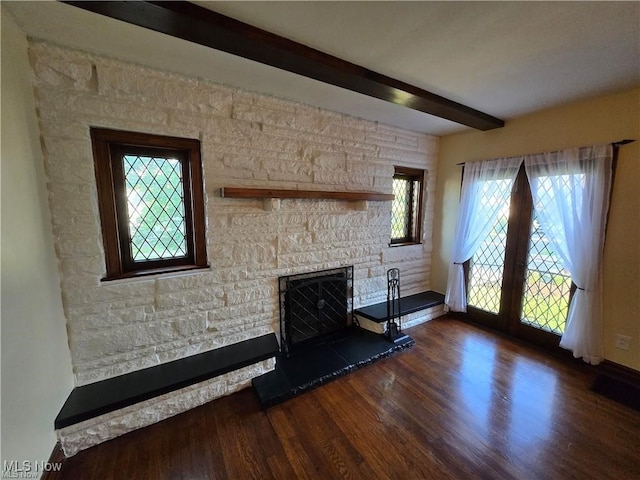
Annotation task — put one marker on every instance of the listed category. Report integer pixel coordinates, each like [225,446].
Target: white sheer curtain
[484,194]
[570,191]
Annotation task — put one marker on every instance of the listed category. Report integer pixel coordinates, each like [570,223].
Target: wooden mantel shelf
[243,192]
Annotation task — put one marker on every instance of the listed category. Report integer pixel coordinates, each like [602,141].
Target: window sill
[156,272]
[404,244]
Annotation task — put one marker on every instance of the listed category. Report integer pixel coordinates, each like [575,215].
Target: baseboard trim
[621,372]
[57,458]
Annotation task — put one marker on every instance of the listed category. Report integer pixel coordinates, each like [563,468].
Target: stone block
[404,157]
[66,152]
[80,324]
[398,254]
[71,129]
[189,298]
[329,160]
[250,295]
[380,138]
[354,181]
[189,281]
[307,260]
[248,112]
[87,268]
[254,253]
[106,293]
[84,376]
[239,311]
[146,86]
[337,221]
[73,247]
[294,242]
[369,167]
[60,69]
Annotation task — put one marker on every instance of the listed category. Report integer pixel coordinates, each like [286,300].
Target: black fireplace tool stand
[394,317]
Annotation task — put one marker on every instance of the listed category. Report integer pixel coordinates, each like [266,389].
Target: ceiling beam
[199,25]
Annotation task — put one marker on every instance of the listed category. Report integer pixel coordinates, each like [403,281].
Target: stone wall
[247,140]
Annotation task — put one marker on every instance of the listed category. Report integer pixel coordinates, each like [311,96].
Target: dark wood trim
[183,156]
[199,25]
[415,216]
[614,168]
[403,244]
[621,372]
[108,148]
[517,251]
[245,192]
[106,203]
[157,271]
[57,457]
[408,171]
[198,208]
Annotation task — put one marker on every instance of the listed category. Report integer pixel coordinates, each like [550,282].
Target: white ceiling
[506,59]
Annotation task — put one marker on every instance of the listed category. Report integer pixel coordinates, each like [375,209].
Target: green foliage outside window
[155,204]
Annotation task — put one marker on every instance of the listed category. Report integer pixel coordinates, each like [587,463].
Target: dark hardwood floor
[463,403]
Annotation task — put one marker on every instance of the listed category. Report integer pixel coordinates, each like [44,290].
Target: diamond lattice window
[405,208]
[151,201]
[400,218]
[155,206]
[547,288]
[486,267]
[486,270]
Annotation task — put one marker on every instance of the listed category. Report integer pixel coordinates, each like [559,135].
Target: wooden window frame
[415,214]
[108,148]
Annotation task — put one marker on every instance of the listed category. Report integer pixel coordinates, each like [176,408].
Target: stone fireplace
[247,140]
[320,338]
[313,305]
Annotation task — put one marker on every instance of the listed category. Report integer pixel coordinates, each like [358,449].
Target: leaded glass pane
[401,209]
[487,264]
[547,287]
[155,207]
[486,270]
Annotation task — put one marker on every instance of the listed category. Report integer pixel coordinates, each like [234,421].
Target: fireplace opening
[314,305]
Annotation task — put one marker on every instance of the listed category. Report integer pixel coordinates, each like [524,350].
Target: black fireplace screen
[314,304]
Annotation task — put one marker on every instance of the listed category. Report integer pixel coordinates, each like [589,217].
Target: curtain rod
[617,144]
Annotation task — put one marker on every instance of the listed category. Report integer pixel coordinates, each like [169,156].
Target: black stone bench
[89,401]
[409,304]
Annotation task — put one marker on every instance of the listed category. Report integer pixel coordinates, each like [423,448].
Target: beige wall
[598,120]
[36,366]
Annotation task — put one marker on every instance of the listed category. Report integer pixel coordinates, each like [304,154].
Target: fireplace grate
[314,304]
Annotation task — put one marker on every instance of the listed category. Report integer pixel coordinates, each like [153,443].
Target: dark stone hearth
[318,339]
[323,360]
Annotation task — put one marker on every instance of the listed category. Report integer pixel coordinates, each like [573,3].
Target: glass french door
[515,281]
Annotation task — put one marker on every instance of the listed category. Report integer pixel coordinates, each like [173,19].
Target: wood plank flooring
[463,403]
